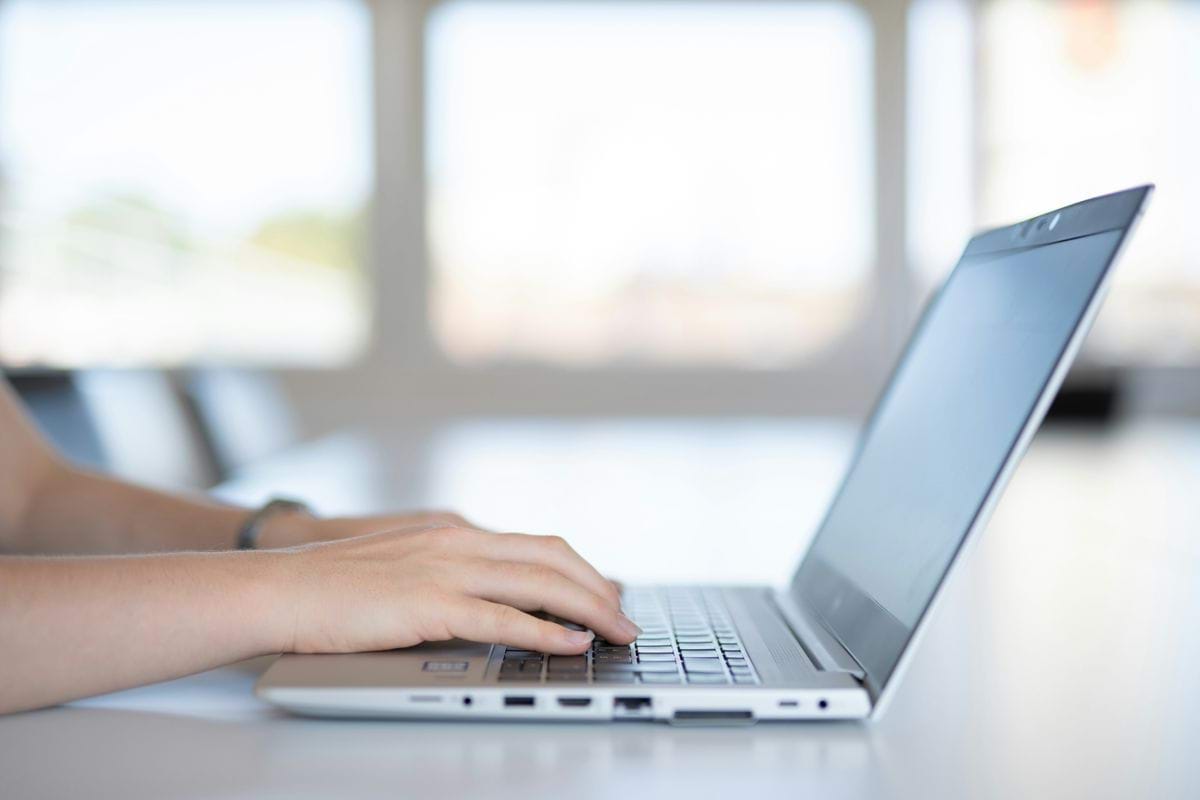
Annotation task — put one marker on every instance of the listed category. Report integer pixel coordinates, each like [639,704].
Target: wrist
[289,529]
[275,594]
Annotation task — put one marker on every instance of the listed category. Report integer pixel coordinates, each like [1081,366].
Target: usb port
[518,700]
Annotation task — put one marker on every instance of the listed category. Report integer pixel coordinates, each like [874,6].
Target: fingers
[553,552]
[534,587]
[483,621]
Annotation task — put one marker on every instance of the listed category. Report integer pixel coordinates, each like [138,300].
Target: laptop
[959,410]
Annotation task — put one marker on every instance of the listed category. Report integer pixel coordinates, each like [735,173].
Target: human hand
[291,529]
[438,582]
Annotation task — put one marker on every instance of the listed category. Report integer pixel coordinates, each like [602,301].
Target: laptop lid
[966,397]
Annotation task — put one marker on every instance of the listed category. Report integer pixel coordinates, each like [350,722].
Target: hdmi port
[575,702]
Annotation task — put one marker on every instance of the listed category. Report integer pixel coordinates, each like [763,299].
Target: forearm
[74,627]
[77,512]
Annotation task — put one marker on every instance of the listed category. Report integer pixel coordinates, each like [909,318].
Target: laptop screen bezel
[870,633]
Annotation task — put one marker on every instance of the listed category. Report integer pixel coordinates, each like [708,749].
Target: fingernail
[580,637]
[629,627]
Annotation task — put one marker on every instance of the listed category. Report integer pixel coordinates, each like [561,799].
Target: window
[941,211]
[183,181]
[666,183]
[1090,96]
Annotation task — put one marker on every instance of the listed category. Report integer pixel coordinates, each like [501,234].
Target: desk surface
[1062,661]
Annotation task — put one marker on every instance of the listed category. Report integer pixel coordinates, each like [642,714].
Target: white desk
[1063,662]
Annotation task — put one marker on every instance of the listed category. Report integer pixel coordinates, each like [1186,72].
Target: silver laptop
[958,412]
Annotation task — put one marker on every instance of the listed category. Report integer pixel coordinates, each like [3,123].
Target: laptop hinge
[822,646]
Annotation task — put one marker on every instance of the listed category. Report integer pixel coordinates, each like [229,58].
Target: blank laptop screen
[940,436]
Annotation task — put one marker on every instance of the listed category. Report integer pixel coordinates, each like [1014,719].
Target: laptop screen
[945,427]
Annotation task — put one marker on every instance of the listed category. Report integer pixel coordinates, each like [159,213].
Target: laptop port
[632,707]
[714,717]
[518,701]
[575,702]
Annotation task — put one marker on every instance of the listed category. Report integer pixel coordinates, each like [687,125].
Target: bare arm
[76,626]
[72,627]
[49,507]
[74,511]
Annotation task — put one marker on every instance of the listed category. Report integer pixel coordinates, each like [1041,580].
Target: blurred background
[228,226]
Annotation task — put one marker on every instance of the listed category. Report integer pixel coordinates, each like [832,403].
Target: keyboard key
[660,677]
[706,677]
[520,676]
[616,677]
[568,664]
[656,666]
[712,666]
[737,662]
[744,679]
[698,649]
[660,650]
[656,657]
[609,669]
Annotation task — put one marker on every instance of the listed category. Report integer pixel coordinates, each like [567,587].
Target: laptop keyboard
[687,638]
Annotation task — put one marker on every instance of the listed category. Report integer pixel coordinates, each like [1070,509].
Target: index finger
[494,623]
[553,552]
